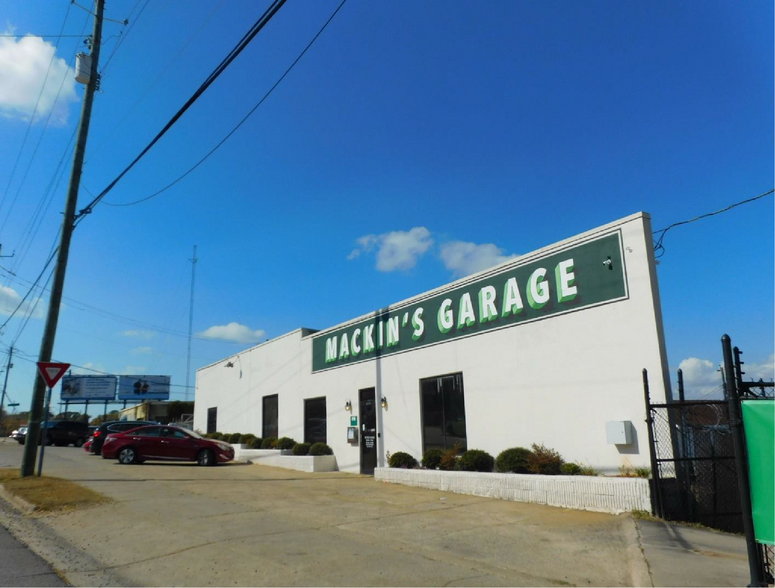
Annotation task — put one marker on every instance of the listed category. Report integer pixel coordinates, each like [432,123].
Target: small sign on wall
[352,435]
[353,421]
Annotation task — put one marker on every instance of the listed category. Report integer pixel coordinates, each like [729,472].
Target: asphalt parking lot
[246,525]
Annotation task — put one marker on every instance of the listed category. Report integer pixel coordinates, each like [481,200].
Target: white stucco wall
[554,381]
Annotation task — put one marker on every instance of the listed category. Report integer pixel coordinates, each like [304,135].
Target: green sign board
[759,425]
[562,281]
[353,421]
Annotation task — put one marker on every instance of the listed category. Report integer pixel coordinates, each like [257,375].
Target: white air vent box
[618,432]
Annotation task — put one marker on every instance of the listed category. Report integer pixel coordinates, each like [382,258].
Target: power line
[239,124]
[246,39]
[32,117]
[43,36]
[34,284]
[658,247]
[123,36]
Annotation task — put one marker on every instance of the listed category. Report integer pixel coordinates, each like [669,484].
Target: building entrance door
[368,408]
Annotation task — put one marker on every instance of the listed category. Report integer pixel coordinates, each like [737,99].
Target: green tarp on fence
[759,423]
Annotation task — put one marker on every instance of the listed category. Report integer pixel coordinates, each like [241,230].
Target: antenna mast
[193,261]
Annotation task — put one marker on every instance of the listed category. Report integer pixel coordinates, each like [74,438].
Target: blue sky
[431,138]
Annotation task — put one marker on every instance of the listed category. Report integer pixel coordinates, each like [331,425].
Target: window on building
[315,420]
[443,412]
[269,417]
[212,420]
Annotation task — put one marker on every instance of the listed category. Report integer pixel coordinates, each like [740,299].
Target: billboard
[83,388]
[144,388]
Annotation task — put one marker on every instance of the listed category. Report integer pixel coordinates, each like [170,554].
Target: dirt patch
[49,494]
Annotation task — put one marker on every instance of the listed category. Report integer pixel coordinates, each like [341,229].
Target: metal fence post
[658,510]
[741,464]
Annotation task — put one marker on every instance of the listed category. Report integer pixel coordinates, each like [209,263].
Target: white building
[546,348]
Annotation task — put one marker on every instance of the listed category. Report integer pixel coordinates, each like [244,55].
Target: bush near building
[247,439]
[514,460]
[269,443]
[285,443]
[399,459]
[449,458]
[431,459]
[256,443]
[301,449]
[570,469]
[234,437]
[544,460]
[320,449]
[476,460]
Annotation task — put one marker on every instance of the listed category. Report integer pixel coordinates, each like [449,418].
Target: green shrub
[215,435]
[402,460]
[544,460]
[476,460]
[643,472]
[587,471]
[431,459]
[234,437]
[570,469]
[256,443]
[268,443]
[301,449]
[285,443]
[449,458]
[514,460]
[247,439]
[320,449]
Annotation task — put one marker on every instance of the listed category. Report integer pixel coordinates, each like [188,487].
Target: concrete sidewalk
[248,525]
[22,567]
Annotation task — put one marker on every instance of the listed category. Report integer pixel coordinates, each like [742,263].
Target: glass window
[443,412]
[149,432]
[174,433]
[315,420]
[212,420]
[269,416]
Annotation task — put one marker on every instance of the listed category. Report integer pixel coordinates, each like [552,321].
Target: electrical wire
[239,124]
[658,247]
[34,284]
[104,139]
[32,117]
[123,36]
[247,38]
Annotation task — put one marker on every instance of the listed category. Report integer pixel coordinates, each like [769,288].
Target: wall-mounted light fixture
[383,402]
[348,406]
[231,364]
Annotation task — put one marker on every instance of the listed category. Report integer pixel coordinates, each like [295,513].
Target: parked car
[59,433]
[98,437]
[165,443]
[87,445]
[20,434]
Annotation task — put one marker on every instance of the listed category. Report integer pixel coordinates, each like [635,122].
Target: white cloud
[141,351]
[94,368]
[701,378]
[760,371]
[397,250]
[233,332]
[465,258]
[23,65]
[133,370]
[10,299]
[140,333]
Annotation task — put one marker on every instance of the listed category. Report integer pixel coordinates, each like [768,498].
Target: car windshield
[194,434]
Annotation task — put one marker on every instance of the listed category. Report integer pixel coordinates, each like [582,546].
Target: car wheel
[127,455]
[80,442]
[206,458]
[49,441]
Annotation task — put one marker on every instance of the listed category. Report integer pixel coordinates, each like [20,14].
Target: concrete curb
[16,501]
[74,566]
[640,574]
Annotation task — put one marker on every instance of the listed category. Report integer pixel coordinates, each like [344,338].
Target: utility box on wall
[618,432]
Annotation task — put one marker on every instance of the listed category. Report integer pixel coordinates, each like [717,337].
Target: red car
[87,445]
[165,443]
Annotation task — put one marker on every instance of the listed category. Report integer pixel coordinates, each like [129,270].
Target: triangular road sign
[52,372]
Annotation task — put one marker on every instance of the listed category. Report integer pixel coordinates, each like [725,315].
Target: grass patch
[49,494]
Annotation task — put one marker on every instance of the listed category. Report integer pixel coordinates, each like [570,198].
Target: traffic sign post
[51,374]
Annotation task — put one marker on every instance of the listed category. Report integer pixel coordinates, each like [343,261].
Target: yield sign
[52,372]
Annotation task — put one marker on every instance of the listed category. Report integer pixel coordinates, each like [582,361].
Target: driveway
[246,525]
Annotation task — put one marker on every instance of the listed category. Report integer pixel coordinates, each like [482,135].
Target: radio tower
[193,261]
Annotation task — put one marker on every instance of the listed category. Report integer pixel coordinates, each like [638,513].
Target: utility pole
[193,261]
[5,384]
[52,318]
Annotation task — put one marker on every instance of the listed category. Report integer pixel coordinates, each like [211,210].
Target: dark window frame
[265,430]
[317,438]
[212,417]
[446,444]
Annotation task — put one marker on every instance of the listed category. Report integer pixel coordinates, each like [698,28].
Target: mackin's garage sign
[588,274]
